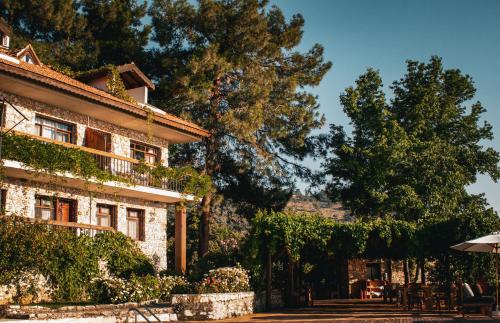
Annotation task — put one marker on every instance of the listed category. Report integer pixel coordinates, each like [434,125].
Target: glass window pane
[104,210]
[48,133]
[63,127]
[133,231]
[104,221]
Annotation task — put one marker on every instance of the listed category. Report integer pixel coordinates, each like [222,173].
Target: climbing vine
[52,159]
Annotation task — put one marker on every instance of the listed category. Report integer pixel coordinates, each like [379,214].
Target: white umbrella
[489,243]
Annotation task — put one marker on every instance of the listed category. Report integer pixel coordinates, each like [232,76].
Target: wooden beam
[180,239]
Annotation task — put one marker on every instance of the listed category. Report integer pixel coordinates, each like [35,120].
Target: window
[135,224]
[144,152]
[44,208]
[106,215]
[50,208]
[5,39]
[373,271]
[54,130]
[3,197]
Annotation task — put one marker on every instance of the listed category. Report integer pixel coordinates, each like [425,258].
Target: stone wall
[202,307]
[21,201]
[106,313]
[120,136]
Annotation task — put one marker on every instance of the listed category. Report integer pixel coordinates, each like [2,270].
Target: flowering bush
[224,280]
[172,285]
[119,290]
[137,288]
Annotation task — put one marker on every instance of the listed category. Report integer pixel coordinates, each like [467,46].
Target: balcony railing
[78,228]
[120,166]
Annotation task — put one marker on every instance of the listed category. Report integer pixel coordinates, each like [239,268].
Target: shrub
[120,290]
[68,262]
[224,280]
[173,285]
[123,257]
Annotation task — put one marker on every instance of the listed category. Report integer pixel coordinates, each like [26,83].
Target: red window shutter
[97,139]
[74,211]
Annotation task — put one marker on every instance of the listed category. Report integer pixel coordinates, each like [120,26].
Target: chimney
[4,34]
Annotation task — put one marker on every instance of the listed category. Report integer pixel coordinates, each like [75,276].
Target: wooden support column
[180,239]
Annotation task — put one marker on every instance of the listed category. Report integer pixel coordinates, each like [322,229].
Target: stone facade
[21,201]
[120,136]
[21,193]
[203,307]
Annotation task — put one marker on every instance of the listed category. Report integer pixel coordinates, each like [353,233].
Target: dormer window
[28,59]
[5,39]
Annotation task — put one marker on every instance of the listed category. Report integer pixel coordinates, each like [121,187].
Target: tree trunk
[422,271]
[290,281]
[417,271]
[204,225]
[269,278]
[206,202]
[406,271]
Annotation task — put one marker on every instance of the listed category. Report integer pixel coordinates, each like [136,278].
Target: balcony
[138,184]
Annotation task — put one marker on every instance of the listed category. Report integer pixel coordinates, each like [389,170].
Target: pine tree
[232,67]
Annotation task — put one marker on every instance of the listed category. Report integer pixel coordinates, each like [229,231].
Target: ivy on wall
[50,158]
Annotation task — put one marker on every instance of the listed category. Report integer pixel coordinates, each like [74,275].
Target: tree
[55,28]
[116,26]
[79,34]
[413,156]
[232,67]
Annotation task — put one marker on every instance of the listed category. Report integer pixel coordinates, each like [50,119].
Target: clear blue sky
[383,34]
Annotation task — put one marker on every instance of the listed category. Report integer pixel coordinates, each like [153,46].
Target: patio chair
[468,300]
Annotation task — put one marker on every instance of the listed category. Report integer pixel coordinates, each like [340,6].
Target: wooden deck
[359,311]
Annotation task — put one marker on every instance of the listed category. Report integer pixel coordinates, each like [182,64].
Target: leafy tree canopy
[411,156]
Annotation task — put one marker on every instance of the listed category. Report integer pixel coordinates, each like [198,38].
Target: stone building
[349,276]
[40,103]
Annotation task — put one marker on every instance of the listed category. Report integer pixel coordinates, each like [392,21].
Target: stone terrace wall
[108,313]
[201,307]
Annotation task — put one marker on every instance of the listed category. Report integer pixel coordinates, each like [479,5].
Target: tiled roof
[48,76]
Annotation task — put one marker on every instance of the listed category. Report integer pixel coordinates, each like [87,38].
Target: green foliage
[412,156]
[68,261]
[49,158]
[126,259]
[79,34]
[299,234]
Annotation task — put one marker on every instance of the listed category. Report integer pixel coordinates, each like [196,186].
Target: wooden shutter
[142,227]
[97,139]
[73,216]
[113,217]
[4,200]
